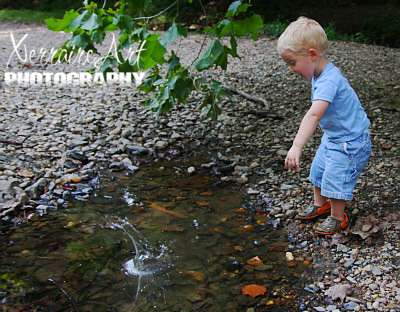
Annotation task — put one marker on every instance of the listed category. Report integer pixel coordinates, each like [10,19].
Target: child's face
[299,64]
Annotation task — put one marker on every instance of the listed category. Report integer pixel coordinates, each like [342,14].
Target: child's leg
[319,200]
[337,210]
[338,205]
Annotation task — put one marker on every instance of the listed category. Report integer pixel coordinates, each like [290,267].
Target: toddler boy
[346,143]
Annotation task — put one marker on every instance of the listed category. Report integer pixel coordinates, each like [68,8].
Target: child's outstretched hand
[292,160]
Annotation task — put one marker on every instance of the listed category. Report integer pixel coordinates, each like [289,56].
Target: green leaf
[213,111]
[172,33]
[93,22]
[97,37]
[249,25]
[211,56]
[220,90]
[125,23]
[233,50]
[81,41]
[174,62]
[76,22]
[61,24]
[180,87]
[223,27]
[236,8]
[100,12]
[153,52]
[107,62]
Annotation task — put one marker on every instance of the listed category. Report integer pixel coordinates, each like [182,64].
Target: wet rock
[129,165]
[311,288]
[69,178]
[20,196]
[79,156]
[117,166]
[83,188]
[35,190]
[41,209]
[6,186]
[224,169]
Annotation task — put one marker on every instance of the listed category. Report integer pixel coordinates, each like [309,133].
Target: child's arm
[307,127]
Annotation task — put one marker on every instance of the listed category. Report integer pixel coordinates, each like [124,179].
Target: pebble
[351,306]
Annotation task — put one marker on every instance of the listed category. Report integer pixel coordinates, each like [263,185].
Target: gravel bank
[57,135]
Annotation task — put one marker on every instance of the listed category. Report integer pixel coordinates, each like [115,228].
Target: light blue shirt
[344,119]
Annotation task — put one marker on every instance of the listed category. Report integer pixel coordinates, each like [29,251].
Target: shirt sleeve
[324,90]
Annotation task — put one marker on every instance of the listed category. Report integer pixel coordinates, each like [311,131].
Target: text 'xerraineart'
[57,56]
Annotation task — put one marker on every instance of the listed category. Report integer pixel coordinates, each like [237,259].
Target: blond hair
[301,35]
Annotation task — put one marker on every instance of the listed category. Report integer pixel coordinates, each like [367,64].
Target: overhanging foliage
[89,26]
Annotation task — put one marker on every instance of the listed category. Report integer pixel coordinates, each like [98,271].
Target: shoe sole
[320,211]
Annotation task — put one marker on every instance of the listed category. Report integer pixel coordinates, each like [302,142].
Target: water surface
[158,240]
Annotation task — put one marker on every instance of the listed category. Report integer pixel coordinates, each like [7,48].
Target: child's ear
[313,53]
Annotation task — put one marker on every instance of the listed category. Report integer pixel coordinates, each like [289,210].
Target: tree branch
[158,14]
[249,96]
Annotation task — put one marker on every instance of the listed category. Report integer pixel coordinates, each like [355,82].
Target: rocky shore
[51,136]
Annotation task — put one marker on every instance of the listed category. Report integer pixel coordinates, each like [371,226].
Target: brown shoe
[313,211]
[331,225]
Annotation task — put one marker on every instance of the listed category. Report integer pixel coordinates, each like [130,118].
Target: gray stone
[127,132]
[74,143]
[20,195]
[249,129]
[35,190]
[349,263]
[282,152]
[134,149]
[6,186]
[127,162]
[342,248]
[350,306]
[116,166]
[161,144]
[375,270]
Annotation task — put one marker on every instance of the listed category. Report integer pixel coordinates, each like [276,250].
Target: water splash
[148,265]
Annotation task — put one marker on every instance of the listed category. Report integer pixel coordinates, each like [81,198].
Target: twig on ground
[249,96]
[6,141]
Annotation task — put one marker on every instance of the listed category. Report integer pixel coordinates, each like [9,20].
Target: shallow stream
[158,240]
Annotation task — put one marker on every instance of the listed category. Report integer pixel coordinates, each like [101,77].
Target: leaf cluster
[138,49]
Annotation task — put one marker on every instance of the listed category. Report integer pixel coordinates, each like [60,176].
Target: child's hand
[292,160]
